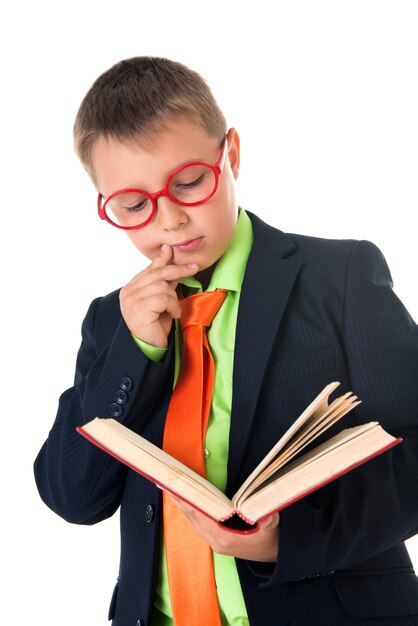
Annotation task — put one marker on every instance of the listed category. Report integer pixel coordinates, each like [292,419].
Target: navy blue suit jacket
[311,311]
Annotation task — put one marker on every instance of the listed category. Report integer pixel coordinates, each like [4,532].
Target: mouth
[191,244]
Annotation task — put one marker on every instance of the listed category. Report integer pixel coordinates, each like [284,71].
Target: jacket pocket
[300,365]
[379,595]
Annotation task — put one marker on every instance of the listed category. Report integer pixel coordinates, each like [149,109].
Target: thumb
[270,522]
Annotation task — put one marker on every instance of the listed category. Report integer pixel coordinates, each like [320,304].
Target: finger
[164,258]
[270,522]
[167,273]
[171,274]
[170,305]
[148,289]
[152,308]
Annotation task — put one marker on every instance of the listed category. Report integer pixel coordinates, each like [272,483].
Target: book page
[302,439]
[340,454]
[158,466]
[314,412]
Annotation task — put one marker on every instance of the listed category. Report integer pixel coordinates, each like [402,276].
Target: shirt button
[206,454]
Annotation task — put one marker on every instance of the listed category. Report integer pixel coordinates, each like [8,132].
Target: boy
[298,312]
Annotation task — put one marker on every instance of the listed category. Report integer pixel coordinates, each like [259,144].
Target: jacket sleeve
[374,507]
[113,378]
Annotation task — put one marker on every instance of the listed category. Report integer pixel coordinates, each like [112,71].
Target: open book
[283,476]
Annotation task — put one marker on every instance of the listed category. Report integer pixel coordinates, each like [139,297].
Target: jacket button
[121,397]
[115,410]
[126,383]
[149,513]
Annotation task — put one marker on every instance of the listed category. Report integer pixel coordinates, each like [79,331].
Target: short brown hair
[136,97]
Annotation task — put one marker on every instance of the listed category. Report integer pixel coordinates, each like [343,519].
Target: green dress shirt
[228,274]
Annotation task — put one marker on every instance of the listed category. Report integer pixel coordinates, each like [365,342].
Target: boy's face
[198,234]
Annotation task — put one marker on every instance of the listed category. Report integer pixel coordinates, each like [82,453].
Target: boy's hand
[149,302]
[260,546]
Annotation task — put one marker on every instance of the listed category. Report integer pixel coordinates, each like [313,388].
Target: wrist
[155,353]
[155,340]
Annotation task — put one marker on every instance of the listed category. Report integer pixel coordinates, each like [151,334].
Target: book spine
[238,523]
[247,520]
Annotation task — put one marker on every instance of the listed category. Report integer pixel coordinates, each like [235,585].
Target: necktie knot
[200,308]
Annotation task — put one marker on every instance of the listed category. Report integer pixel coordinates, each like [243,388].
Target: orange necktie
[191,577]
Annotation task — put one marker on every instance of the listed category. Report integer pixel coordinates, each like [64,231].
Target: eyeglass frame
[216,169]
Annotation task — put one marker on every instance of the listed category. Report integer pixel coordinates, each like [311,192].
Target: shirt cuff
[152,352]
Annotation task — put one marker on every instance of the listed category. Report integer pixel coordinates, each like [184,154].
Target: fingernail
[193,266]
[164,246]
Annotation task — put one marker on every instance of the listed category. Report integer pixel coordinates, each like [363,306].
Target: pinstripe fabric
[311,311]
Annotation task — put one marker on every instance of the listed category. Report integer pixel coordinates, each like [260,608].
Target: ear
[233,151]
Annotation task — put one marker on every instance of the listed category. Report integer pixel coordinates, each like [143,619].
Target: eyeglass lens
[192,184]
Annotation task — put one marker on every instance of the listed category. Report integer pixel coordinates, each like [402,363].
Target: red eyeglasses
[189,185]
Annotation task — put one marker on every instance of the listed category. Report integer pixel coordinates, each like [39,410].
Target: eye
[194,183]
[137,207]
[129,202]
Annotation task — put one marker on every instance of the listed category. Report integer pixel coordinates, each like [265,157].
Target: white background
[325,96]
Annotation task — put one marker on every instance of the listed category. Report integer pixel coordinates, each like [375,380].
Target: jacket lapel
[267,285]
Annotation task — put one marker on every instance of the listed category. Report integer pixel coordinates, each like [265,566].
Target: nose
[171,216]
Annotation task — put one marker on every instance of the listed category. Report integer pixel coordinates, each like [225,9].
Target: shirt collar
[230,269]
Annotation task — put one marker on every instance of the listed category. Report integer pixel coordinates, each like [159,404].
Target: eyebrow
[145,187]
